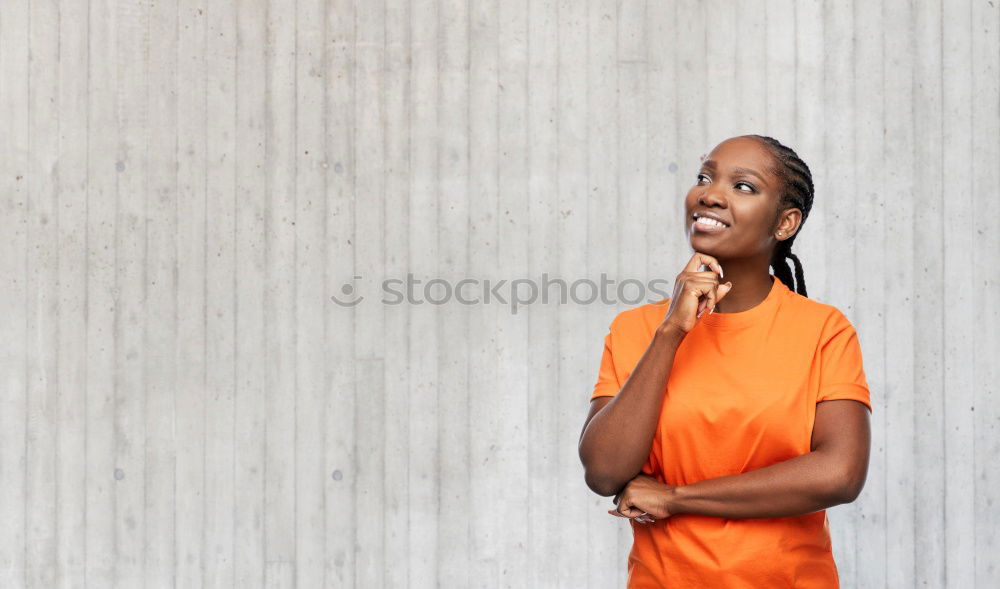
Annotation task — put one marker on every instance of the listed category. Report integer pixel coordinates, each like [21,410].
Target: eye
[752,188]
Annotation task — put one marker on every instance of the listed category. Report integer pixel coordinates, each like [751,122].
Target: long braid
[797,193]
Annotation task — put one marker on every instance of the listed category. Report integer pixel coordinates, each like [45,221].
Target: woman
[726,419]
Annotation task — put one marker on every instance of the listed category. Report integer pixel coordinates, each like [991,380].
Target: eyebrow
[711,165]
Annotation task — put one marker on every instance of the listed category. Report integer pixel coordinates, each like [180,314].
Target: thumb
[722,290]
[630,511]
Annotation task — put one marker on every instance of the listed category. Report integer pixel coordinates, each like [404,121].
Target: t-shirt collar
[743,318]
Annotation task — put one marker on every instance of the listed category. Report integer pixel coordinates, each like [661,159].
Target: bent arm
[832,473]
[618,435]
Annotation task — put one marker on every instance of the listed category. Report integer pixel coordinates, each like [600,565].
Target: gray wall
[186,184]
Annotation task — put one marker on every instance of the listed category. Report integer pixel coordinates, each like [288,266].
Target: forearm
[618,439]
[797,486]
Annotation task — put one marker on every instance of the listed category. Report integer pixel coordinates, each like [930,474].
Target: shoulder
[640,320]
[823,317]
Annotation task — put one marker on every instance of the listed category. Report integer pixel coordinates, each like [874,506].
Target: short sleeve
[842,374]
[607,380]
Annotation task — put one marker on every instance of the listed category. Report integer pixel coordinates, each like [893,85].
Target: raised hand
[695,292]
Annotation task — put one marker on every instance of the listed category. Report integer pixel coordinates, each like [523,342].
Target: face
[735,185]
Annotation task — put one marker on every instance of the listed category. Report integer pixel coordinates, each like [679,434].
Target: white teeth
[710,221]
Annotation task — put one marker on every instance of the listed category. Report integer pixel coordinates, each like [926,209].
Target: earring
[779,233]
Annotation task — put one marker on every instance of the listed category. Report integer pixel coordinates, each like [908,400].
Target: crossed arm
[831,473]
[618,432]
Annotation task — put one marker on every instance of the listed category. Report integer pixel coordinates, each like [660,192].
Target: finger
[701,286]
[710,299]
[705,278]
[707,302]
[700,283]
[631,512]
[696,292]
[615,513]
[715,268]
[699,259]
[704,305]
[709,293]
[723,290]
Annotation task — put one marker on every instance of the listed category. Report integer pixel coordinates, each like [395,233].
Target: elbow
[852,491]
[846,478]
[602,485]
[596,477]
[847,488]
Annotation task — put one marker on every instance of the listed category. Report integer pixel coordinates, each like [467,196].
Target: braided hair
[796,192]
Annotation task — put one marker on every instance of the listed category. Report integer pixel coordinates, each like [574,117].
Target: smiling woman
[784,184]
[727,418]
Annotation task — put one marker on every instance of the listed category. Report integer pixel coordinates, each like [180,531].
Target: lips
[708,223]
[712,216]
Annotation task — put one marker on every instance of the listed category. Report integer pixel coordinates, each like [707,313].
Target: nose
[710,198]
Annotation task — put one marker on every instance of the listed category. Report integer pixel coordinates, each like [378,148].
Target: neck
[751,284]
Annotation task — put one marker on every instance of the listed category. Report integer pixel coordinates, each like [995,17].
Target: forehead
[740,153]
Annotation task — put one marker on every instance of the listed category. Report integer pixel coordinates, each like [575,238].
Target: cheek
[752,227]
[756,234]
[689,203]
[753,218]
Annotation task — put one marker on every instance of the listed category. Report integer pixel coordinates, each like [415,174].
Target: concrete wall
[186,185]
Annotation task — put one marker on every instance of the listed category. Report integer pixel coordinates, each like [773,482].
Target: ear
[788,224]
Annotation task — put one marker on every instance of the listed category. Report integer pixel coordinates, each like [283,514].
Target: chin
[699,243]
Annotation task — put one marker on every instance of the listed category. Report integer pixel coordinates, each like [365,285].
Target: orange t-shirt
[741,395]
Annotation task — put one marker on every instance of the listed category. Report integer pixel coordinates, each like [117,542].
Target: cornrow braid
[797,192]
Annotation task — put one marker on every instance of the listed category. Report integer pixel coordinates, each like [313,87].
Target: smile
[709,222]
[704,224]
